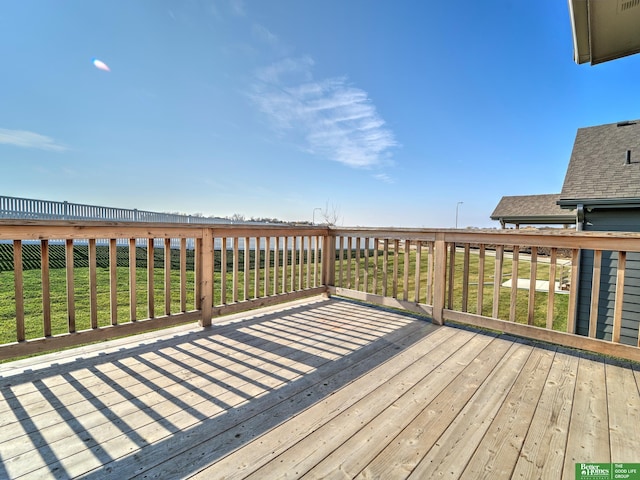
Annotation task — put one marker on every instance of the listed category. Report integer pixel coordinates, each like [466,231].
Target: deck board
[365,444]
[543,452]
[316,389]
[500,447]
[589,427]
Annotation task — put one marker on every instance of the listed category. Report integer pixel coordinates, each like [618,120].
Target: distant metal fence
[28,208]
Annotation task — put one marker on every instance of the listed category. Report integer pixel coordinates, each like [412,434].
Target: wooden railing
[124,278]
[76,282]
[472,277]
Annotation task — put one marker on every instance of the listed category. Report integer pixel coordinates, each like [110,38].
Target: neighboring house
[601,192]
[602,184]
[532,210]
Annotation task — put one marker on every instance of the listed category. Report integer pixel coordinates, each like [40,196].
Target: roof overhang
[538,219]
[604,30]
[600,202]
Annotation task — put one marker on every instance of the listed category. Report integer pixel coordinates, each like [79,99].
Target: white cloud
[25,139]
[335,119]
[383,177]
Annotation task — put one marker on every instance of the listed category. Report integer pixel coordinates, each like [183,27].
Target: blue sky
[389,112]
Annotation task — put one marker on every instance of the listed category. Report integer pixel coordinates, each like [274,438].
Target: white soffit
[604,30]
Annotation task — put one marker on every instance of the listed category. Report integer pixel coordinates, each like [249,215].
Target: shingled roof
[532,210]
[598,172]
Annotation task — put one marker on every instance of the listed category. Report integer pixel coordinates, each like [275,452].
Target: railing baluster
[132,280]
[452,274]
[376,247]
[151,292]
[396,254]
[385,267]
[285,263]
[553,260]
[256,268]
[267,265]
[316,251]
[430,273]
[197,271]
[276,264]
[595,292]
[247,268]
[300,263]
[167,276]
[223,271]
[357,271]
[349,247]
[236,267]
[183,274]
[515,259]
[294,252]
[46,286]
[309,261]
[93,285]
[619,298]
[465,278]
[497,281]
[480,299]
[71,304]
[573,291]
[18,287]
[340,261]
[113,281]
[366,264]
[416,293]
[405,268]
[532,286]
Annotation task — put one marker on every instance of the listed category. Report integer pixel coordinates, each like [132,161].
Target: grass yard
[33,288]
[561,301]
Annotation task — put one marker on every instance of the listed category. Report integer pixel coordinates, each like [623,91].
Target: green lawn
[33,289]
[522,298]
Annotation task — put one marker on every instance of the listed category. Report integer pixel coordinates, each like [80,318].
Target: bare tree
[331,216]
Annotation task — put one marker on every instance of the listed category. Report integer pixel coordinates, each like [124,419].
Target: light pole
[457,205]
[313,221]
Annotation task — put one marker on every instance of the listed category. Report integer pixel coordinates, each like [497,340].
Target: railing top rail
[624,241]
[11,229]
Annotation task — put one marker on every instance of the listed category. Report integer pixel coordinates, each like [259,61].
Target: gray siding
[626,220]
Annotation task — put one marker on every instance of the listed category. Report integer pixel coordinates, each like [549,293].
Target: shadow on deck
[321,388]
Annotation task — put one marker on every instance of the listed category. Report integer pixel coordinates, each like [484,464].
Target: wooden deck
[316,389]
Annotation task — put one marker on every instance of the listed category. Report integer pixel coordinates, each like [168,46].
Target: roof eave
[538,220]
[620,202]
[579,13]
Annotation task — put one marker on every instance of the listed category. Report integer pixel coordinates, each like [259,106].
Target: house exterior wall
[622,219]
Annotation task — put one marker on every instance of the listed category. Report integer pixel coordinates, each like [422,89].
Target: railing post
[328,260]
[206,277]
[440,279]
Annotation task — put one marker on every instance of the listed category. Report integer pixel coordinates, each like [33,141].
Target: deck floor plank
[239,426]
[624,411]
[403,453]
[318,388]
[366,443]
[461,439]
[498,451]
[313,445]
[267,446]
[589,428]
[139,431]
[542,454]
